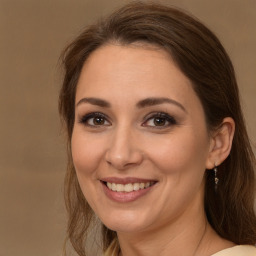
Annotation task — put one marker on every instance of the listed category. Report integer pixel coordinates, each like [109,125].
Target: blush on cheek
[85,155]
[179,156]
[169,156]
[78,155]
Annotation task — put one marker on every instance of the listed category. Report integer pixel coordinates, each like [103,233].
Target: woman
[157,144]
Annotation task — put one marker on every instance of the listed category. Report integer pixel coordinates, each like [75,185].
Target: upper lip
[126,180]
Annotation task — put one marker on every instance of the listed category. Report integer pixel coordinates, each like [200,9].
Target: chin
[126,221]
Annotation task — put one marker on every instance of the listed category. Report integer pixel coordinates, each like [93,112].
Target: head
[202,61]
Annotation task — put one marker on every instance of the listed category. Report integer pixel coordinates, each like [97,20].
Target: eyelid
[84,119]
[169,118]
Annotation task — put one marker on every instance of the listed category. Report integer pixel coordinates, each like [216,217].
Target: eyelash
[153,116]
[160,115]
[85,119]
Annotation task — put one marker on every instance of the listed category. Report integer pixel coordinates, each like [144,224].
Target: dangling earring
[216,179]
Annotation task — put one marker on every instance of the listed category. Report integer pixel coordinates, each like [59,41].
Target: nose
[123,151]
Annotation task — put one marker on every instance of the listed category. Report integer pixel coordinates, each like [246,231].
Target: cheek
[86,156]
[181,153]
[86,153]
[180,161]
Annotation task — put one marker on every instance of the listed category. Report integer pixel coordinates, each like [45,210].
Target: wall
[32,153]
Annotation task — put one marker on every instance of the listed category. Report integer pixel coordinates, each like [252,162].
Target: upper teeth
[128,187]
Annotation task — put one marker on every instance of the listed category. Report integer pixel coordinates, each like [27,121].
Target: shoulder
[239,250]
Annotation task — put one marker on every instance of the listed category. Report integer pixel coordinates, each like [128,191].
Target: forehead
[131,68]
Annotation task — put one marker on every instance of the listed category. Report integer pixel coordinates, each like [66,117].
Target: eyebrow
[153,101]
[157,101]
[95,101]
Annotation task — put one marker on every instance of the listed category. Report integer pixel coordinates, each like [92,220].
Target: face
[140,142]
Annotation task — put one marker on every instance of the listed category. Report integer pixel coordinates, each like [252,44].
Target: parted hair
[201,57]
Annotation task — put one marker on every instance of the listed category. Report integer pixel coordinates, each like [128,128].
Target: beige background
[32,152]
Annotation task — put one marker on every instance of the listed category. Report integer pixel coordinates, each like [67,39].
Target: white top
[239,250]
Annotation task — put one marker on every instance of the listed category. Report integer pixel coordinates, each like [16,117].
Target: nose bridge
[123,149]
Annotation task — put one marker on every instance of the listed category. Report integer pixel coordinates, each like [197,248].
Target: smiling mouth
[130,187]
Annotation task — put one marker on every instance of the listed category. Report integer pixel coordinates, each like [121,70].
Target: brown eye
[95,119]
[98,121]
[158,121]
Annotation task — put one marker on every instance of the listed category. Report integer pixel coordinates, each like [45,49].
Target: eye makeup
[155,120]
[94,119]
[159,120]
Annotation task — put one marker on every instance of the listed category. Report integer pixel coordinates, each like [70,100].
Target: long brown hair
[201,57]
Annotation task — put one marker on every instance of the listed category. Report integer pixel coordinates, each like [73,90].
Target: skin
[128,142]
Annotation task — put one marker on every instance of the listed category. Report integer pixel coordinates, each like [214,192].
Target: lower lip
[125,197]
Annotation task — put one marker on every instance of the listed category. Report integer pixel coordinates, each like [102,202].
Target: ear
[221,143]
